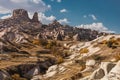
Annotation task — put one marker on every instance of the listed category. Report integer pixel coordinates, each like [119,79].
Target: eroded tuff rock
[76,37]
[21,24]
[98,74]
[106,71]
[21,14]
[20,28]
[35,17]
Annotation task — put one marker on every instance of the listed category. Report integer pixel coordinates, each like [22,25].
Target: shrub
[59,59]
[66,54]
[40,42]
[96,57]
[43,42]
[103,42]
[81,63]
[36,42]
[112,43]
[109,44]
[118,39]
[117,56]
[84,50]
[51,44]
[17,77]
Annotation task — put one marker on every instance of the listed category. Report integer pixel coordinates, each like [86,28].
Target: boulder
[114,74]
[51,71]
[107,66]
[97,74]
[76,37]
[52,68]
[55,69]
[90,63]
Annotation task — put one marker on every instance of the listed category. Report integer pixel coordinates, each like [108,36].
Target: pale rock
[114,74]
[35,17]
[107,66]
[50,74]
[52,68]
[90,62]
[97,74]
[76,37]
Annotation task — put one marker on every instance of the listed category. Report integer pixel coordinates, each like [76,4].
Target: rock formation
[20,14]
[76,37]
[20,24]
[35,17]
[107,71]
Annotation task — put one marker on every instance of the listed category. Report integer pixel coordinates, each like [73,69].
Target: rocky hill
[98,59]
[21,25]
[21,29]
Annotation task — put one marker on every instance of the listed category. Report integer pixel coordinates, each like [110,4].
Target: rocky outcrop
[35,17]
[114,74]
[76,37]
[58,36]
[21,24]
[21,14]
[107,66]
[98,74]
[26,70]
[107,71]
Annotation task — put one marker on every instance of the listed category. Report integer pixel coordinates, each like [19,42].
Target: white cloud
[49,6]
[95,26]
[17,1]
[85,16]
[46,19]
[93,16]
[4,10]
[59,1]
[90,16]
[6,6]
[37,1]
[6,16]
[63,10]
[63,21]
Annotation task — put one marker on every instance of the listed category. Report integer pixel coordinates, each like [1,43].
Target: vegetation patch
[84,50]
[17,77]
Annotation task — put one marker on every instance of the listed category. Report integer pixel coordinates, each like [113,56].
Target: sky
[101,15]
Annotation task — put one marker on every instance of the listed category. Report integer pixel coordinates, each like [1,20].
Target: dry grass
[117,56]
[84,50]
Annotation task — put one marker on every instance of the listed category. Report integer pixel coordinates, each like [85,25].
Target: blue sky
[102,15]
